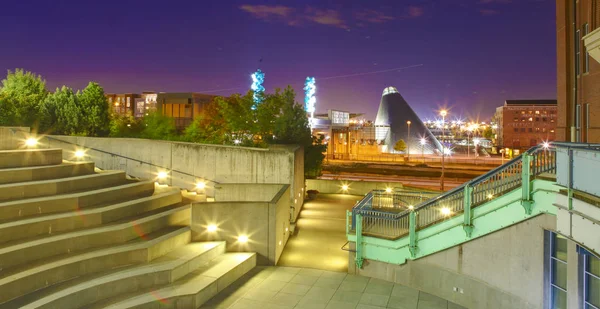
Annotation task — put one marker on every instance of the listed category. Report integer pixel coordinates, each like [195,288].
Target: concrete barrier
[264,223]
[13,137]
[354,187]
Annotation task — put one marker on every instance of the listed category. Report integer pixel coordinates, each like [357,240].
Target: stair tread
[26,270]
[192,283]
[171,260]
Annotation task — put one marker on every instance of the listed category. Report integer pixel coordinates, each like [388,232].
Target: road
[429,183]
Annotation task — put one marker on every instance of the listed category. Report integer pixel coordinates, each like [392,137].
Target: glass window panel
[559,299]
[593,265]
[559,274]
[559,246]
[593,290]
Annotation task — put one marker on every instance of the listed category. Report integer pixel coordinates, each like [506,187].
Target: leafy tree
[124,126]
[208,127]
[61,112]
[239,118]
[25,91]
[400,145]
[158,126]
[7,112]
[488,133]
[95,110]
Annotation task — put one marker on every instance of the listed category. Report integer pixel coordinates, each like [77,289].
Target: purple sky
[474,53]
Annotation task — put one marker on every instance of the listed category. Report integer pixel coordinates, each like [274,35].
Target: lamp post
[443,113]
[408,141]
[468,142]
[423,142]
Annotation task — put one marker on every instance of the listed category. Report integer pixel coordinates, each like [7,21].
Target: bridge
[389,230]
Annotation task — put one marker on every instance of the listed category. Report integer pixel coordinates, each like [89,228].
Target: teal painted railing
[495,183]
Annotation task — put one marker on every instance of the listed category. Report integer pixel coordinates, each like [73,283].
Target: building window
[522,112]
[532,142]
[530,130]
[522,129]
[516,119]
[591,281]
[537,129]
[530,118]
[544,130]
[551,131]
[537,112]
[558,272]
[516,130]
[544,119]
[577,50]
[523,119]
[586,58]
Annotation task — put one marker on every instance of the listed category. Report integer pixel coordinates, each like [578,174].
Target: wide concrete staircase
[72,236]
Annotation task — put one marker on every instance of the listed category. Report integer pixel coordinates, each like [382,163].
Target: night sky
[474,54]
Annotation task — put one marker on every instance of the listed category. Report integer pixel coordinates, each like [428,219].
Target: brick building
[578,70]
[526,123]
[124,103]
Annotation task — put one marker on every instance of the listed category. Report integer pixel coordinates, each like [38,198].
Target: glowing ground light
[445,211]
[31,142]
[258,78]
[243,238]
[162,175]
[79,154]
[211,228]
[345,187]
[201,185]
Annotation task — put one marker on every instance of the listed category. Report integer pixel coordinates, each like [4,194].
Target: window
[577,54]
[523,119]
[551,120]
[522,129]
[530,118]
[544,119]
[551,131]
[558,272]
[591,281]
[537,118]
[530,131]
[522,112]
[516,130]
[537,112]
[537,130]
[532,142]
[544,130]
[586,58]
[516,119]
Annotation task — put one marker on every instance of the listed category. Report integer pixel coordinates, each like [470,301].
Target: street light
[443,113]
[408,141]
[423,143]
[468,142]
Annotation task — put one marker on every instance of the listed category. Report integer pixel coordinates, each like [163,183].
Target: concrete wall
[263,222]
[240,192]
[501,270]
[354,187]
[189,162]
[13,137]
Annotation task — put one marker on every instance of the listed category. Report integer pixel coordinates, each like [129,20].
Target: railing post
[412,234]
[359,246]
[526,200]
[570,187]
[348,221]
[468,215]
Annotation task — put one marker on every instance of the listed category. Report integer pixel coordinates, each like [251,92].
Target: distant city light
[237,141]
[388,190]
[476,141]
[345,187]
[443,113]
[258,78]
[423,141]
[31,142]
[546,145]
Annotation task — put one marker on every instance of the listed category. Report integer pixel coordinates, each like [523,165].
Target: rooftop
[530,102]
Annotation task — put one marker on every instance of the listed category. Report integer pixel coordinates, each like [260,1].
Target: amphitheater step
[77,241]
[19,230]
[192,290]
[139,251]
[75,201]
[36,173]
[23,190]
[30,157]
[160,272]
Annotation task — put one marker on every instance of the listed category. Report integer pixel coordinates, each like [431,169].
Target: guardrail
[495,183]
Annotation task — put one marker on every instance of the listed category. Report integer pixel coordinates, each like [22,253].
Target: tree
[208,127]
[239,118]
[400,145]
[158,126]
[488,132]
[123,126]
[95,110]
[7,112]
[61,112]
[23,93]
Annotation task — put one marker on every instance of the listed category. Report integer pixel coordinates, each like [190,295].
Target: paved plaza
[304,288]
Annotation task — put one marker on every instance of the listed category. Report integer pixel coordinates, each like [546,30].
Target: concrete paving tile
[455,306]
[270,285]
[293,270]
[311,272]
[428,304]
[248,304]
[333,275]
[260,295]
[374,300]
[328,283]
[353,286]
[304,279]
[320,293]
[379,287]
[431,298]
[404,291]
[347,297]
[283,276]
[361,306]
[286,299]
[396,302]
[311,303]
[297,289]
[355,278]
[340,305]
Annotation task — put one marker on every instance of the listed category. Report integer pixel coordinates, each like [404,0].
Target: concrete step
[104,236]
[23,190]
[192,290]
[30,157]
[75,201]
[19,230]
[160,272]
[36,173]
[139,251]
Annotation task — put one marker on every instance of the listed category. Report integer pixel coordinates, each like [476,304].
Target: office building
[525,123]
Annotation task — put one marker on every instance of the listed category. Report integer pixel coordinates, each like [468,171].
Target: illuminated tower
[258,78]
[309,97]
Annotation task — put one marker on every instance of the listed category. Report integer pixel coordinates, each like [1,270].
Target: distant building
[396,120]
[525,123]
[578,70]
[124,103]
